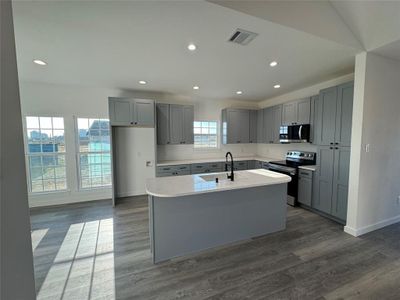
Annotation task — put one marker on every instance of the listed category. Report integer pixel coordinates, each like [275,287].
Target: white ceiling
[116,44]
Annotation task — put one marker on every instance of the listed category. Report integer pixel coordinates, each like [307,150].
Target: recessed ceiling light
[239,92]
[192,47]
[142,82]
[277,86]
[273,63]
[40,62]
[196,87]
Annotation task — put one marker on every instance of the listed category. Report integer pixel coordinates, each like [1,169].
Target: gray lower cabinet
[173,170]
[174,124]
[239,165]
[207,167]
[331,181]
[235,126]
[305,186]
[251,164]
[253,121]
[131,112]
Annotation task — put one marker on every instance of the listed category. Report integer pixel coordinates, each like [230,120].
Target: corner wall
[374,168]
[16,262]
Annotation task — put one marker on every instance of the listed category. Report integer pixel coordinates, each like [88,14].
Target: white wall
[17,275]
[374,176]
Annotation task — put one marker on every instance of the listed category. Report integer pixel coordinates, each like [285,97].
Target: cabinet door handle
[336,143]
[331,148]
[135,123]
[331,143]
[336,147]
[131,123]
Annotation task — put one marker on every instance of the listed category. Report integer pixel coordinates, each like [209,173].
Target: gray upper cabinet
[188,119]
[314,99]
[272,123]
[143,112]
[325,117]
[289,113]
[260,126]
[131,112]
[162,124]
[333,115]
[276,123]
[175,124]
[303,111]
[120,111]
[235,126]
[344,114]
[296,112]
[253,126]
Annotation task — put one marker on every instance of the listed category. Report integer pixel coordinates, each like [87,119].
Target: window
[94,152]
[45,152]
[205,134]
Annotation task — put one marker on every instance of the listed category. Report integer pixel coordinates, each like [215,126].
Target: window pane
[61,183]
[94,148]
[49,185]
[45,123]
[58,123]
[205,135]
[37,186]
[32,122]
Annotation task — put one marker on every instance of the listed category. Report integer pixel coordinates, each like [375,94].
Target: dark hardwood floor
[92,251]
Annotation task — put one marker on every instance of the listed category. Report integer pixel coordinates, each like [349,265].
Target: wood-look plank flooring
[94,251]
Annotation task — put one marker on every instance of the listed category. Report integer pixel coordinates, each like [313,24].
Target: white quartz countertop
[210,160]
[310,168]
[175,186]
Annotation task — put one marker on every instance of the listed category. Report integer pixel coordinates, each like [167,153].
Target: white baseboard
[130,193]
[372,227]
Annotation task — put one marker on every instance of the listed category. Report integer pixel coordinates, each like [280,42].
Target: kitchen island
[191,213]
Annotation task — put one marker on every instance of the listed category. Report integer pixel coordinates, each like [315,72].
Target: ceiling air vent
[242,37]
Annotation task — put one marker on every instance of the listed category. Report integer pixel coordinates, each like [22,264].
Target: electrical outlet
[367,148]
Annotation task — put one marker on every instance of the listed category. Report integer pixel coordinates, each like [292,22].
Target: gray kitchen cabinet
[340,182]
[289,113]
[253,126]
[331,181]
[303,111]
[239,165]
[305,185]
[268,125]
[162,110]
[322,198]
[188,119]
[258,164]
[181,124]
[325,117]
[143,112]
[276,123]
[260,126]
[333,115]
[344,114]
[235,126]
[313,100]
[173,170]
[251,164]
[131,112]
[296,112]
[200,168]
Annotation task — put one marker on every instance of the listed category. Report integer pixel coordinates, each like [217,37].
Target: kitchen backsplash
[278,151]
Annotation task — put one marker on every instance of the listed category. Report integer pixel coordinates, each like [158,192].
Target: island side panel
[188,224]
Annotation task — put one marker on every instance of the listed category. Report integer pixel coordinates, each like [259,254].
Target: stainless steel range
[294,159]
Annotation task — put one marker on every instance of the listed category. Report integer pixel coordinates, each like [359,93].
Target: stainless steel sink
[212,177]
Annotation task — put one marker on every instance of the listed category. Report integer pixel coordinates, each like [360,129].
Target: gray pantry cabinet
[131,112]
[260,126]
[174,124]
[296,112]
[333,112]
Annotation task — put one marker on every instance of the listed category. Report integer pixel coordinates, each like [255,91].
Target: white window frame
[28,155]
[78,154]
[217,136]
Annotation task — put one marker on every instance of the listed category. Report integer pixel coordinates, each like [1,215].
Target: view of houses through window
[94,152]
[205,134]
[45,153]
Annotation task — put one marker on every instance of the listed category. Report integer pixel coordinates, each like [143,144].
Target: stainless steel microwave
[294,133]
